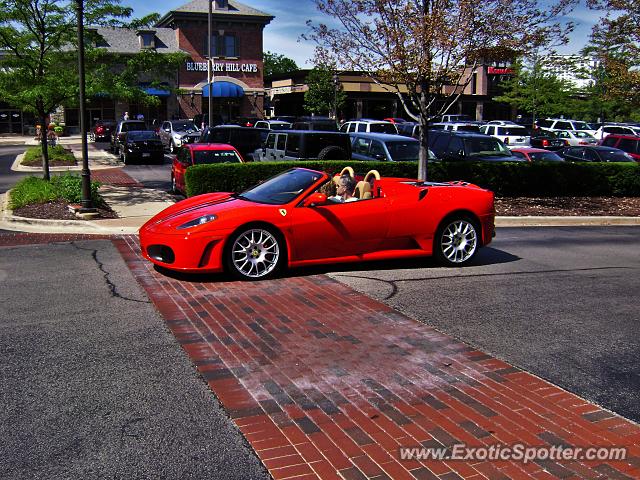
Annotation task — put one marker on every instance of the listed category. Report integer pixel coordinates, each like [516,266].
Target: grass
[58,157]
[67,187]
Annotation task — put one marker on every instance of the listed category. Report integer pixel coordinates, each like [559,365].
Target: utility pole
[210,64]
[86,204]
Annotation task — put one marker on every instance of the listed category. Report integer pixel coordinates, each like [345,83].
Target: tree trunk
[44,139]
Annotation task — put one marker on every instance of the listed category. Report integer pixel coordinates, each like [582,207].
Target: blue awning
[158,92]
[223,89]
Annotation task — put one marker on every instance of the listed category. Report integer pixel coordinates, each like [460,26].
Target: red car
[532,154]
[395,120]
[288,221]
[200,154]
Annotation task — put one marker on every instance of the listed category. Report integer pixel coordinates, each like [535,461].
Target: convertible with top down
[290,221]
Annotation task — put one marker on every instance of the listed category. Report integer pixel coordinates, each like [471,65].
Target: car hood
[194,207]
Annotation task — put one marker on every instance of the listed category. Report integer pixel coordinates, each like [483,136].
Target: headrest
[371,176]
[363,190]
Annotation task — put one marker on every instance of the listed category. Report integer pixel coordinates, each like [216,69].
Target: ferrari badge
[283,212]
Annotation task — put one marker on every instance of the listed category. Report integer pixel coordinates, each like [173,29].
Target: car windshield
[142,135]
[201,157]
[282,188]
[184,126]
[485,146]
[545,157]
[382,128]
[468,128]
[614,156]
[403,151]
[127,127]
[581,126]
[280,126]
[579,134]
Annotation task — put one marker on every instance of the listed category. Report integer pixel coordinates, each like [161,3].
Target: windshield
[280,126]
[403,151]
[382,128]
[468,128]
[579,134]
[282,188]
[127,127]
[485,146]
[184,126]
[144,135]
[545,157]
[612,156]
[201,157]
[581,126]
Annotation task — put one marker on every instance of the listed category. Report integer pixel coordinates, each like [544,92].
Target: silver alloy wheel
[459,241]
[255,253]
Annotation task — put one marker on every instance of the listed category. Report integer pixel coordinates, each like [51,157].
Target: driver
[344,192]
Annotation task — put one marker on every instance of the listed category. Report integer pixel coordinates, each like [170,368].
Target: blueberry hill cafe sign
[223,67]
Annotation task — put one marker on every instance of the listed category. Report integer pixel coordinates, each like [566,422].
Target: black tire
[254,253]
[456,241]
[333,153]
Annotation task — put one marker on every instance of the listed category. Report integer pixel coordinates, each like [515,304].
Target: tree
[431,47]
[38,68]
[536,92]
[275,64]
[324,95]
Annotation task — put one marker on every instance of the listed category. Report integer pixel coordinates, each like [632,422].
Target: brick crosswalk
[327,383]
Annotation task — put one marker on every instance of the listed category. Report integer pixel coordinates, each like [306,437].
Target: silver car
[175,133]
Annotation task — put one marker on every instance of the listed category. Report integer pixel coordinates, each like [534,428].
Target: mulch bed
[568,206]
[56,210]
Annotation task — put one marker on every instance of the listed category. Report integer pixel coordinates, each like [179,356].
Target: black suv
[451,146]
[245,139]
[300,144]
[118,136]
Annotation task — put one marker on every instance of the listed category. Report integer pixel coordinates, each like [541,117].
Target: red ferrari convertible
[290,221]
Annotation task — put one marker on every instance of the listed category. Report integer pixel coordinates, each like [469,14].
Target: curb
[567,221]
[17,166]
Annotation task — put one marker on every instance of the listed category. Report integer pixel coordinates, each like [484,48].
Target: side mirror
[314,199]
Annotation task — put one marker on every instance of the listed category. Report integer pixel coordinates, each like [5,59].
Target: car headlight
[197,221]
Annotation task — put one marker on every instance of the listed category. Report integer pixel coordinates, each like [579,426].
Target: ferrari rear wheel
[254,254]
[456,242]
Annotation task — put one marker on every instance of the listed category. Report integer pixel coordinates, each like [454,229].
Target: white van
[512,135]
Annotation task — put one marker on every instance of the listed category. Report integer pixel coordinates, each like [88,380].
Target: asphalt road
[8,154]
[92,383]
[561,303]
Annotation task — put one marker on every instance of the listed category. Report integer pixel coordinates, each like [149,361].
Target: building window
[147,39]
[221,4]
[222,46]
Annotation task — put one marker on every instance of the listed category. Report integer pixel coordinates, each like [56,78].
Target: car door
[270,147]
[360,149]
[338,229]
[280,147]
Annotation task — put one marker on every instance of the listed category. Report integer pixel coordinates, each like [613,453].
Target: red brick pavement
[327,383]
[114,176]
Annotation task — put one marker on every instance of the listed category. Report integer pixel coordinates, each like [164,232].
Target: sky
[282,35]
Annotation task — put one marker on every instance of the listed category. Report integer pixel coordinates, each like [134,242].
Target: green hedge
[505,179]
[58,156]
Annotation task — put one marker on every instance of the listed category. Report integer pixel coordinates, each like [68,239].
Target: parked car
[626,143]
[369,126]
[199,154]
[576,137]
[287,221]
[245,121]
[547,140]
[273,125]
[245,140]
[595,153]
[605,130]
[409,129]
[468,146]
[394,120]
[324,124]
[300,144]
[512,134]
[101,130]
[531,154]
[285,118]
[456,126]
[554,124]
[123,127]
[202,120]
[141,146]
[383,147]
[175,133]
[454,117]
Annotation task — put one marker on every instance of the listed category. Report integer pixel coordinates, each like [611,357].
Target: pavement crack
[112,287]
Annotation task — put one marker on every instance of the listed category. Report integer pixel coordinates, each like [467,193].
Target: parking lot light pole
[85,203]
[210,63]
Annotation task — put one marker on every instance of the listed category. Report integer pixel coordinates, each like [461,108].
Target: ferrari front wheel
[456,242]
[254,254]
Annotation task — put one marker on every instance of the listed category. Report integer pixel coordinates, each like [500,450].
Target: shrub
[67,187]
[57,156]
[505,179]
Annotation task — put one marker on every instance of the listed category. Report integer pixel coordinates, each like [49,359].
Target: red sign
[499,71]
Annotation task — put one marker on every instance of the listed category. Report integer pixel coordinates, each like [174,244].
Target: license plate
[146,154]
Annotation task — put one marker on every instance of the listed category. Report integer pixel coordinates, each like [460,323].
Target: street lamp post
[336,83]
[210,63]
[85,203]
